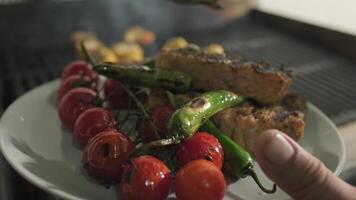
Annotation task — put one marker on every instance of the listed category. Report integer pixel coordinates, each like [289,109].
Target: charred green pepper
[141,75]
[236,159]
[185,122]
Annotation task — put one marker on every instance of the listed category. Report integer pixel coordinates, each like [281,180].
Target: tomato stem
[87,55]
[145,147]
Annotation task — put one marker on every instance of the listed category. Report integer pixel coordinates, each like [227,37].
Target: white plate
[35,144]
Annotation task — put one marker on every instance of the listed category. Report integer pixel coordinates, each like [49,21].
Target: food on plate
[197,115]
[91,122]
[100,52]
[145,178]
[139,75]
[214,49]
[105,155]
[80,68]
[213,72]
[245,123]
[138,34]
[294,102]
[159,117]
[116,96]
[74,103]
[128,52]
[199,180]
[155,97]
[250,119]
[75,81]
[201,146]
[175,43]
[186,121]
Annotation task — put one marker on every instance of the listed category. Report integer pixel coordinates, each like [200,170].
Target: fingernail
[278,150]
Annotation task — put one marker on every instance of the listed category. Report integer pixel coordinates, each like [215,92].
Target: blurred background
[316,39]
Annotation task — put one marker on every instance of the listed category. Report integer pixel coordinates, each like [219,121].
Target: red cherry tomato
[81,68]
[74,103]
[115,94]
[199,180]
[146,178]
[201,146]
[160,116]
[73,82]
[92,122]
[105,156]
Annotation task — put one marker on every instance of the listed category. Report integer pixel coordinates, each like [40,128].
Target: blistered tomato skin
[160,116]
[73,82]
[201,146]
[146,178]
[199,180]
[74,103]
[80,68]
[92,122]
[105,156]
[117,97]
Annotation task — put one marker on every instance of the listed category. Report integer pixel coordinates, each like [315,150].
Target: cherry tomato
[201,146]
[105,156]
[92,122]
[115,94]
[73,82]
[160,116]
[81,68]
[74,103]
[199,180]
[146,178]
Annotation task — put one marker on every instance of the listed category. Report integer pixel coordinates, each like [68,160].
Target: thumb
[296,171]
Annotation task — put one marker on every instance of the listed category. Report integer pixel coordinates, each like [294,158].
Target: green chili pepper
[149,62]
[141,75]
[185,122]
[238,161]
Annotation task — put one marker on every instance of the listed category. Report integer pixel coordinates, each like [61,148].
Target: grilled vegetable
[175,43]
[186,121]
[140,75]
[236,159]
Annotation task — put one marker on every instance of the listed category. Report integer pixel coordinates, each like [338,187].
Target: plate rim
[41,183]
[33,179]
[342,160]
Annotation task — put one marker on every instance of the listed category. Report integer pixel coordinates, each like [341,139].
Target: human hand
[296,171]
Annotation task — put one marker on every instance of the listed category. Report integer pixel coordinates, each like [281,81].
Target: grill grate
[35,67]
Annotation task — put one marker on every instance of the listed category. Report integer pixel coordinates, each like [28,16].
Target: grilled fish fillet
[212,72]
[245,123]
